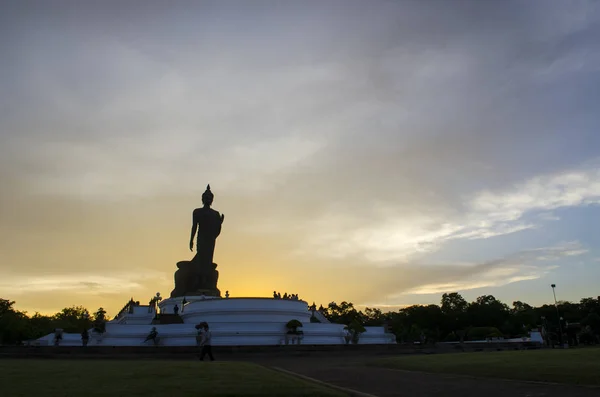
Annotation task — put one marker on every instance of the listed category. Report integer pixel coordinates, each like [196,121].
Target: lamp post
[560,335]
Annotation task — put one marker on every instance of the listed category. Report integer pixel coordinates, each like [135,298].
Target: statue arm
[221,219]
[193,233]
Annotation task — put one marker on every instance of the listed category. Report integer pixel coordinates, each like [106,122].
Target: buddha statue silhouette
[206,222]
[199,276]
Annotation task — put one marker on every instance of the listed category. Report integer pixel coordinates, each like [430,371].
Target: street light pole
[557,315]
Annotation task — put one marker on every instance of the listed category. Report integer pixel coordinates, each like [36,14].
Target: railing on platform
[128,308]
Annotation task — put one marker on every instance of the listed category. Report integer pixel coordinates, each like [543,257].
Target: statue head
[207,196]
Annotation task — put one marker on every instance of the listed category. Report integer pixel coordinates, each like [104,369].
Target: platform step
[183,352]
[168,319]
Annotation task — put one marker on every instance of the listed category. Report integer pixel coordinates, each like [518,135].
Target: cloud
[524,265]
[82,284]
[470,284]
[578,187]
[388,237]
[120,170]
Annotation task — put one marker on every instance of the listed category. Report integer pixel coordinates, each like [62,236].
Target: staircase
[319,316]
[168,319]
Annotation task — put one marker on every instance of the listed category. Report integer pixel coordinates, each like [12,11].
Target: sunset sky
[380,152]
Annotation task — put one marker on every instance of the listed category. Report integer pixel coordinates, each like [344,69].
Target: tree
[479,333]
[13,323]
[453,319]
[454,307]
[355,329]
[487,311]
[373,317]
[571,312]
[589,305]
[522,319]
[453,303]
[592,320]
[40,325]
[343,313]
[71,319]
[520,307]
[418,323]
[6,306]
[100,321]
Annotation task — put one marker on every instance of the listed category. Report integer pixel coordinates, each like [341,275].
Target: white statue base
[232,321]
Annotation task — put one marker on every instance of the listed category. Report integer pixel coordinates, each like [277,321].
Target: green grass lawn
[577,366]
[89,378]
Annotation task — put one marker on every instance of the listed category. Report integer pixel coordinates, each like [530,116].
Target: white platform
[233,322]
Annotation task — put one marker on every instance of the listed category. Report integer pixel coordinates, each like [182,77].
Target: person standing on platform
[206,344]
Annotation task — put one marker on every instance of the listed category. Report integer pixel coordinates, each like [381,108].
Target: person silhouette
[206,344]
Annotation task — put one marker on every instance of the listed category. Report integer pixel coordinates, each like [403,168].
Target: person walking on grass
[206,344]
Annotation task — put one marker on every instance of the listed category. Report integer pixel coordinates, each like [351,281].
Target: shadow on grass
[50,378]
[572,366]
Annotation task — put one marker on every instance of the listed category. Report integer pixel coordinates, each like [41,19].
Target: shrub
[477,333]
[100,321]
[452,337]
[355,328]
[293,326]
[587,336]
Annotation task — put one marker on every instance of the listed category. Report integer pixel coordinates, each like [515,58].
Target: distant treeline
[454,319]
[17,327]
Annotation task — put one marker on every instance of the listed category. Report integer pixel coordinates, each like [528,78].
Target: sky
[378,152]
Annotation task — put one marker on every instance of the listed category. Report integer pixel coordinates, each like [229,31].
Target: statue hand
[222,217]
[192,246]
